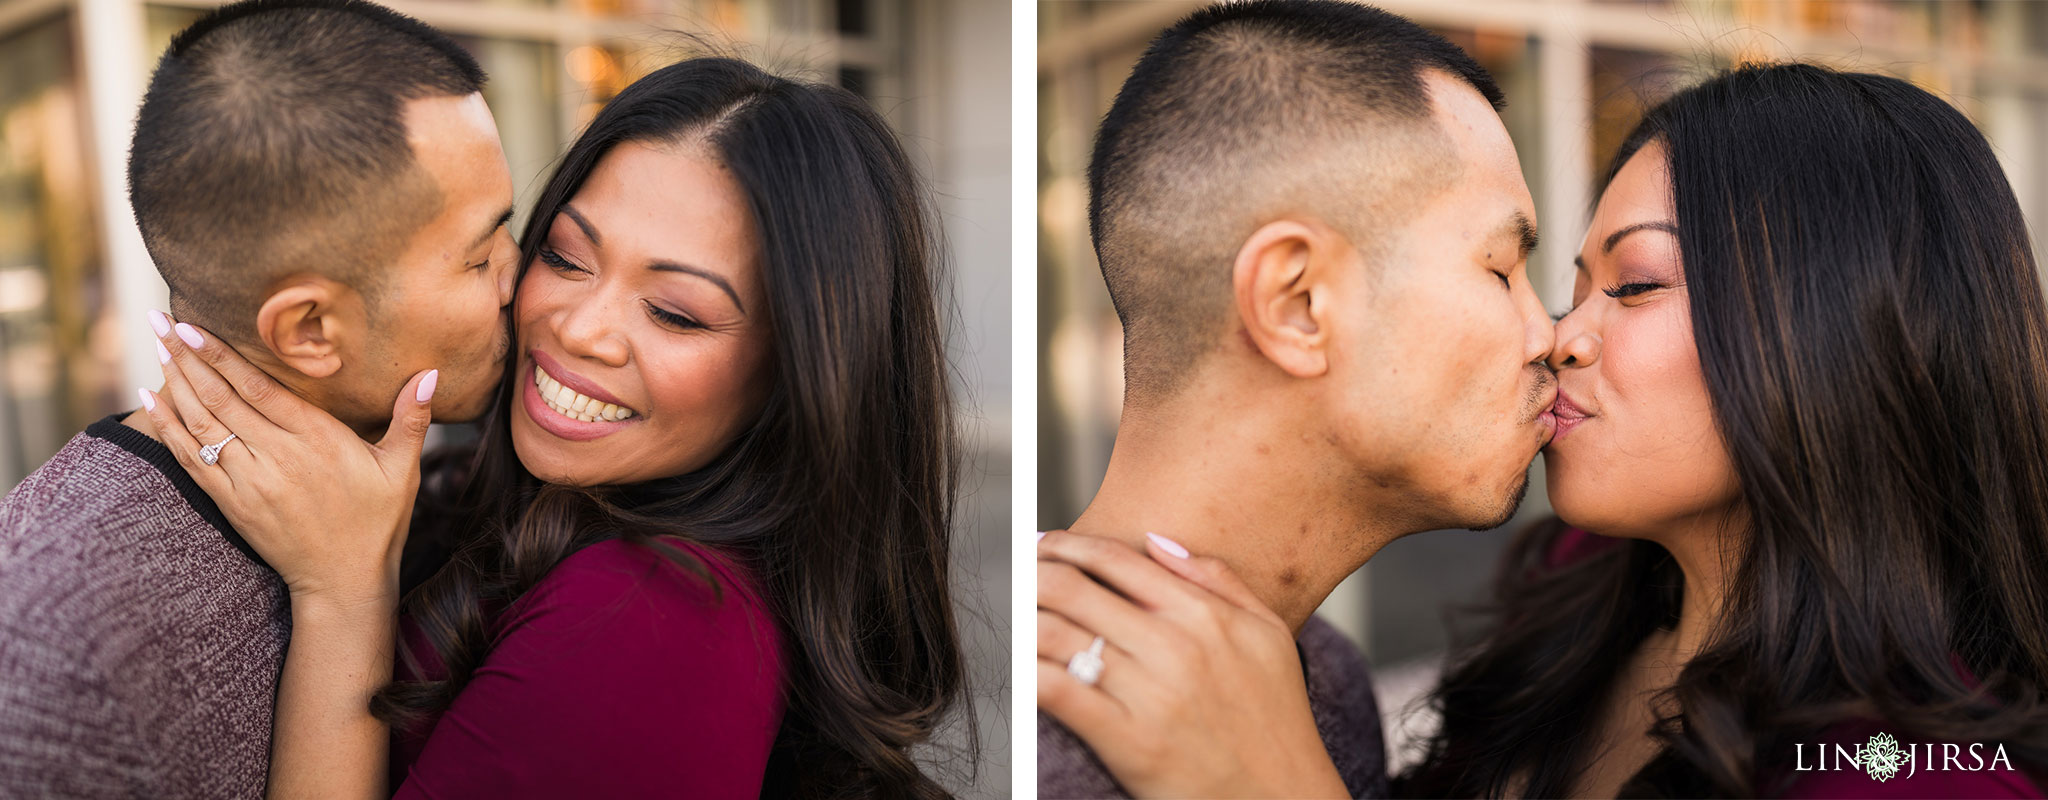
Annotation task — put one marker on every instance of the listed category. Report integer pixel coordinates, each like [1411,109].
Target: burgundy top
[1929,770]
[618,675]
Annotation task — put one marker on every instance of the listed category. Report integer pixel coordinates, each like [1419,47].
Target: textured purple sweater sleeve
[619,675]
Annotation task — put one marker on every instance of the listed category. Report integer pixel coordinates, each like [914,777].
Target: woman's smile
[579,414]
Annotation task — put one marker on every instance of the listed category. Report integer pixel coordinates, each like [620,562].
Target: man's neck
[141,422]
[1223,485]
[294,382]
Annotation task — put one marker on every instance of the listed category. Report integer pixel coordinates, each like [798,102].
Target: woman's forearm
[325,743]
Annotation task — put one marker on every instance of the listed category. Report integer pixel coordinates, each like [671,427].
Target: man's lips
[1544,417]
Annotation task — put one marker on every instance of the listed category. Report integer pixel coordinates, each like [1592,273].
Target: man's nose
[1540,329]
[508,274]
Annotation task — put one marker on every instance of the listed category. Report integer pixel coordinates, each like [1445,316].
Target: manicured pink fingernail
[1168,545]
[159,323]
[426,391]
[163,356]
[1041,536]
[148,400]
[190,335]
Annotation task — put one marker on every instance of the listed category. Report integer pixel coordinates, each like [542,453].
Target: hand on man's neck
[1235,479]
[298,383]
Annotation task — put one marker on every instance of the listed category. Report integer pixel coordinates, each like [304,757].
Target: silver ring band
[210,454]
[1086,666]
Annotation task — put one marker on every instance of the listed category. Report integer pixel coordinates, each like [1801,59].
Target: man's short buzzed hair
[1239,113]
[272,141]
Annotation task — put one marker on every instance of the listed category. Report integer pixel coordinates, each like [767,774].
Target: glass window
[56,368]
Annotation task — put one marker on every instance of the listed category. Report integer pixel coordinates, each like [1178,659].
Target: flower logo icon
[1882,758]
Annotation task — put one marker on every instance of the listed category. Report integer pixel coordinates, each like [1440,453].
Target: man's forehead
[1489,195]
[1477,137]
[436,119]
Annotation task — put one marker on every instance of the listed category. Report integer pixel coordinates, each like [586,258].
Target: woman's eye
[672,318]
[556,262]
[1503,278]
[1629,289]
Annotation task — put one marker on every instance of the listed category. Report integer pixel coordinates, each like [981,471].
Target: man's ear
[1281,287]
[305,323]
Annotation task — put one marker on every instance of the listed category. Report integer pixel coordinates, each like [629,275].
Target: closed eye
[1629,289]
[672,318]
[557,263]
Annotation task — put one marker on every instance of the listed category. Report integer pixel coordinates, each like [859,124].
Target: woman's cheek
[1657,377]
[539,292]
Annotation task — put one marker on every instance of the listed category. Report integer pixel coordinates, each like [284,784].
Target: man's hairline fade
[1186,317]
[405,195]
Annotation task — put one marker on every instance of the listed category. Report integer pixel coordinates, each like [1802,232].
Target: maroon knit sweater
[140,637]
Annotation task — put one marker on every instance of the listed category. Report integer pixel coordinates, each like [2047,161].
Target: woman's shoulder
[675,592]
[620,563]
[619,656]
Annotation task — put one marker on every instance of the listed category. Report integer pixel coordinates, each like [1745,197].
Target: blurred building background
[75,279]
[1578,74]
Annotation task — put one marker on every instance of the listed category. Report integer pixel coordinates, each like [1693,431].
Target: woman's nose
[1577,345]
[590,331]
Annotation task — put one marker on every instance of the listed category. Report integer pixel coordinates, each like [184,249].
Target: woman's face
[1637,450]
[643,339]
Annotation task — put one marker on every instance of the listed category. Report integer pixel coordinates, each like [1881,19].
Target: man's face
[1445,394]
[447,297]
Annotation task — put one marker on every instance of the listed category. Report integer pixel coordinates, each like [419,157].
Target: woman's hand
[1201,692]
[324,508]
[329,512]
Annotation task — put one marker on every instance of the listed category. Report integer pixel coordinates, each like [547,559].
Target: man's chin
[1506,513]
[471,409]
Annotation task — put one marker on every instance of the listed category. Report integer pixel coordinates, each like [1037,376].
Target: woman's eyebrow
[588,229]
[1616,237]
[715,278]
[659,266]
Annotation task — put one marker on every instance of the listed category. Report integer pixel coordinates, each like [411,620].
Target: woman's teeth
[568,403]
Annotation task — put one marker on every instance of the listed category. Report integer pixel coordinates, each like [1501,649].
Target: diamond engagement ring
[210,454]
[1086,666]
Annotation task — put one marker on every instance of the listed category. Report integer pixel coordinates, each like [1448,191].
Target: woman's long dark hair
[839,496]
[1871,327]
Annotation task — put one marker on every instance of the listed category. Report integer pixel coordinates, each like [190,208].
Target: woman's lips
[553,422]
[583,386]
[1567,414]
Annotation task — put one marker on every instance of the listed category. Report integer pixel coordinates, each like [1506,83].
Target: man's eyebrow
[1521,230]
[588,229]
[500,223]
[671,266]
